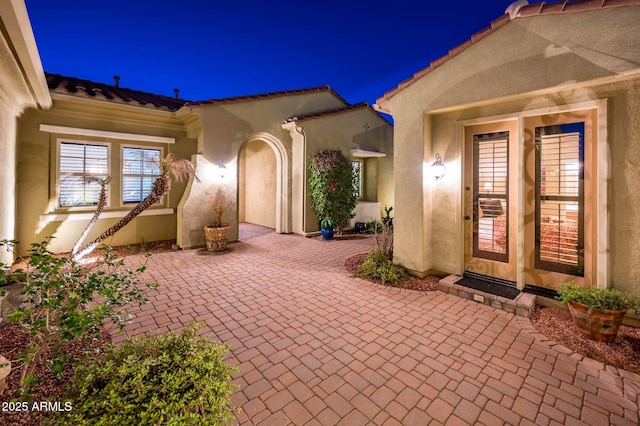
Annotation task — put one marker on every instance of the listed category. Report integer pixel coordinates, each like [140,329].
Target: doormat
[497,289]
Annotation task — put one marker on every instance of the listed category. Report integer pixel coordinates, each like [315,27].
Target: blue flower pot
[327,233]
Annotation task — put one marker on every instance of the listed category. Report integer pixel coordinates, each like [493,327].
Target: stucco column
[22,85]
[410,222]
[298,176]
[8,178]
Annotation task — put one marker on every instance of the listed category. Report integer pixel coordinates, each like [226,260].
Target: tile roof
[270,95]
[84,88]
[542,8]
[328,113]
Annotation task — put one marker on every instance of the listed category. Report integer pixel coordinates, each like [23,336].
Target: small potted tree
[215,235]
[333,190]
[326,229]
[596,312]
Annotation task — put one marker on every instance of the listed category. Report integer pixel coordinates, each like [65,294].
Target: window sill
[110,214]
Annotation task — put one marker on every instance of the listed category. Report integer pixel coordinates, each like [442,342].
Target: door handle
[467,218]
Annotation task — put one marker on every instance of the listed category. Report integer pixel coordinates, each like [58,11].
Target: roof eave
[17,24]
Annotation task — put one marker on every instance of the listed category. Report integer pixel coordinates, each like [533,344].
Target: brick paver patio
[317,347]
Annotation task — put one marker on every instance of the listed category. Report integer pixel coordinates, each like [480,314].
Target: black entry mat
[502,290]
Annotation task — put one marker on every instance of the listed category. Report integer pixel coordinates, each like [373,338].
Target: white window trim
[59,142]
[78,131]
[111,214]
[121,172]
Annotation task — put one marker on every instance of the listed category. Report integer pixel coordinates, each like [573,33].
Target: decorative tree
[219,205]
[170,168]
[333,187]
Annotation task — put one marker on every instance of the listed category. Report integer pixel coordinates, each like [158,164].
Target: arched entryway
[263,183]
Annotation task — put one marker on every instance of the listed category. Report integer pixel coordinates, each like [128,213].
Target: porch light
[222,169]
[437,168]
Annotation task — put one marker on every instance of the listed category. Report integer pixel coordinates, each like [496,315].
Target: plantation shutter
[140,168]
[559,198]
[78,162]
[491,196]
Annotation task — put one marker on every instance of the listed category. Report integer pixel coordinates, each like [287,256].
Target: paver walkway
[317,347]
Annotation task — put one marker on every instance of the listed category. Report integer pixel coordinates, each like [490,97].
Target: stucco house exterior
[22,86]
[264,142]
[255,148]
[537,121]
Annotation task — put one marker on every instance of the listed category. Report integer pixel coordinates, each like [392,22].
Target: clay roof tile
[85,88]
[269,95]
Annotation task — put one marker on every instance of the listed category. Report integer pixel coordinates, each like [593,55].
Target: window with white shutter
[140,168]
[78,162]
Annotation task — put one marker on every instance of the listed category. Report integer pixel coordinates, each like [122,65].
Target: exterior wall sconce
[437,168]
[222,169]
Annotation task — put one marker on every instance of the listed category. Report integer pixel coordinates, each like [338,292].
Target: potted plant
[333,188]
[326,228]
[387,220]
[596,312]
[216,235]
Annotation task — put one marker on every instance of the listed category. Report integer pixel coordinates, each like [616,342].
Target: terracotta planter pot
[597,325]
[216,237]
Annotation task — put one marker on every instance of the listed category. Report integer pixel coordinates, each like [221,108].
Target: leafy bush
[65,301]
[333,187]
[596,298]
[378,266]
[173,379]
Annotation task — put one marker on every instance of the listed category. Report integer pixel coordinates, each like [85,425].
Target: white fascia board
[105,134]
[15,18]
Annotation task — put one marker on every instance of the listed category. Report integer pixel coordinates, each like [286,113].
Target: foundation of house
[522,305]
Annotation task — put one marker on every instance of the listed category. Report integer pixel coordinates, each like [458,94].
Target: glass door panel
[490,202]
[491,196]
[560,198]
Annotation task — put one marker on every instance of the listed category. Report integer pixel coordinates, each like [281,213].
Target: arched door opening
[257,184]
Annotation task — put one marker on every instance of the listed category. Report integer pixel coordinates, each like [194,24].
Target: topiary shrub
[378,266]
[333,187]
[172,379]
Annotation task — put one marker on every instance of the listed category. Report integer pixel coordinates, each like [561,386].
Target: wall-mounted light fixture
[437,168]
[222,169]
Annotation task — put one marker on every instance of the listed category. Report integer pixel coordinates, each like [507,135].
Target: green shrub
[66,301]
[333,187]
[173,379]
[602,299]
[378,266]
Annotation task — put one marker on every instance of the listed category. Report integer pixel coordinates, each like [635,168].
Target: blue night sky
[214,49]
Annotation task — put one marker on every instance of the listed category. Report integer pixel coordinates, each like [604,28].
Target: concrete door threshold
[522,305]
